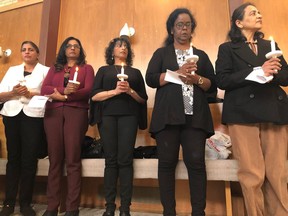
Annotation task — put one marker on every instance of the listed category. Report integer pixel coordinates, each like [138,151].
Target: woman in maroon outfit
[66,122]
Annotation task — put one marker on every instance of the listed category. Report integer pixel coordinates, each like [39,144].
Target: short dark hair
[32,44]
[61,59]
[171,22]
[235,33]
[109,51]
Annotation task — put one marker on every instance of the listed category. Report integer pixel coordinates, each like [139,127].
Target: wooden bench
[217,170]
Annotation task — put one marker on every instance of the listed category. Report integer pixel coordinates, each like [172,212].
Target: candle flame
[271,38]
[76,69]
[122,64]
[191,44]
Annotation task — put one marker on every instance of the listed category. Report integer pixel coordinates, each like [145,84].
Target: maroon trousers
[65,129]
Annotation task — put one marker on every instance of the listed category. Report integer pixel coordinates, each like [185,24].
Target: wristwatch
[131,91]
[200,81]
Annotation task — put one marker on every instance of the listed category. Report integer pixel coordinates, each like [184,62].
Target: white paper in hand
[257,75]
[173,77]
[38,101]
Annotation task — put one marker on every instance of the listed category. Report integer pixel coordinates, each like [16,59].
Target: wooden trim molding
[19,5]
[49,31]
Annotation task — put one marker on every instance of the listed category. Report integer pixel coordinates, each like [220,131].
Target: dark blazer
[169,107]
[247,101]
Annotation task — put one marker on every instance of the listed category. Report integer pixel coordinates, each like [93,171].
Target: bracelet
[200,81]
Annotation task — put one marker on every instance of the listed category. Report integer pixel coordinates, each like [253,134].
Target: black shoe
[108,213]
[124,214]
[72,213]
[27,211]
[7,210]
[50,213]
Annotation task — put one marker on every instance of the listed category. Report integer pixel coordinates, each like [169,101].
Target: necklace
[116,69]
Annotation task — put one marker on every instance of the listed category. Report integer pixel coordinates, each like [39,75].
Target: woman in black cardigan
[181,113]
[255,112]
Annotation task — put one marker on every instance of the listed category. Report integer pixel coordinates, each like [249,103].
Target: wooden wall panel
[95,23]
[275,18]
[16,26]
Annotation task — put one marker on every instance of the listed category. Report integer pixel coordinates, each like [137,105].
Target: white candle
[191,49]
[122,68]
[273,46]
[75,75]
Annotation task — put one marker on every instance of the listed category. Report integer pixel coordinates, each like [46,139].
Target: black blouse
[122,104]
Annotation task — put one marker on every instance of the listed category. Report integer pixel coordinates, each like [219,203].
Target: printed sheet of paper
[38,101]
[259,77]
[173,77]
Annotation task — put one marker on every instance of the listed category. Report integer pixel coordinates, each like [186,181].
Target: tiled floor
[40,209]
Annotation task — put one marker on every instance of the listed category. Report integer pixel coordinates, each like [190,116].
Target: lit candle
[75,75]
[273,47]
[191,49]
[122,68]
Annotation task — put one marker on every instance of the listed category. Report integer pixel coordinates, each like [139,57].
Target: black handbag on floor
[145,152]
[92,148]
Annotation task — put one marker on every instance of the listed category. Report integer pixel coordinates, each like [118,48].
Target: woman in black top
[176,122]
[119,107]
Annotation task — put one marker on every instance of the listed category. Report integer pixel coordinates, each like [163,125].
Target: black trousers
[23,135]
[193,145]
[118,134]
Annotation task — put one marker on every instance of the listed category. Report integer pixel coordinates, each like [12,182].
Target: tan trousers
[261,150]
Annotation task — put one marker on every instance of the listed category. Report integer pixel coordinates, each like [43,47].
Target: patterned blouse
[187,90]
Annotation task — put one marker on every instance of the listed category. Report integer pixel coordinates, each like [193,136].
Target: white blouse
[34,81]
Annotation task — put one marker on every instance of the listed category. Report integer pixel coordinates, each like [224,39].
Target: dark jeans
[118,134]
[23,134]
[193,145]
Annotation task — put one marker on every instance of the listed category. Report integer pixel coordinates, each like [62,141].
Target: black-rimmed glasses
[181,25]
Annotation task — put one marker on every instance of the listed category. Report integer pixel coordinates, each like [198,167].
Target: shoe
[124,214]
[27,211]
[50,213]
[108,213]
[7,210]
[72,213]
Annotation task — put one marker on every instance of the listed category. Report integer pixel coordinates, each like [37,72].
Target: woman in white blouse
[23,127]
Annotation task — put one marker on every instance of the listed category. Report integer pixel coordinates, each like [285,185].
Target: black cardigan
[169,107]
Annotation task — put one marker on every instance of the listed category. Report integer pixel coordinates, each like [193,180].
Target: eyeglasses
[75,46]
[181,25]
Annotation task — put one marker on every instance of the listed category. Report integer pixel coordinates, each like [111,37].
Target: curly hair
[171,22]
[109,51]
[235,33]
[61,59]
